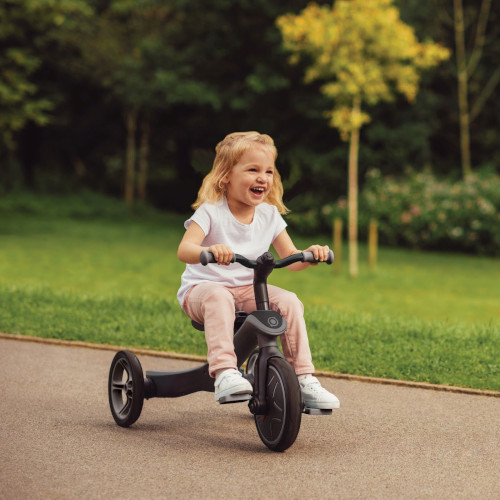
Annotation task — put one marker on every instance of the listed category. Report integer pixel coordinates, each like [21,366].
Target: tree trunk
[144,160]
[463,105]
[131,123]
[353,196]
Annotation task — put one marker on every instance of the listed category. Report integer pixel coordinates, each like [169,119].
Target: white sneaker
[231,382]
[316,396]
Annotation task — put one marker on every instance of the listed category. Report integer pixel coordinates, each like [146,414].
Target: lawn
[85,269]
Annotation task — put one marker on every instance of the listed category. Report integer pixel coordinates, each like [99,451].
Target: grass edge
[192,357]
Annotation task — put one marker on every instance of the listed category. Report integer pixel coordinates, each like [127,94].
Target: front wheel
[279,427]
[125,388]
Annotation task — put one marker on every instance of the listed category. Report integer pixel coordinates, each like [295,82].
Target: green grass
[91,271]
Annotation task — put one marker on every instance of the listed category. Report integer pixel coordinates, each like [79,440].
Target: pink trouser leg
[214,306]
[294,341]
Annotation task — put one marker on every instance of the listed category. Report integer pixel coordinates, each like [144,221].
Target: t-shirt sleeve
[201,217]
[279,223]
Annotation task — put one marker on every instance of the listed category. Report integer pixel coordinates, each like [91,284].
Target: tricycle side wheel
[125,388]
[279,427]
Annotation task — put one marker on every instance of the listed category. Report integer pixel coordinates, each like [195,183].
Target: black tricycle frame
[255,336]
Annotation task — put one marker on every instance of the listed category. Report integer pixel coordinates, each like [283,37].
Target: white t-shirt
[250,240]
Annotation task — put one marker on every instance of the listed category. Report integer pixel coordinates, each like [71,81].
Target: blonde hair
[227,154]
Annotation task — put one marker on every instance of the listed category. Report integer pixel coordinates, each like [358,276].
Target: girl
[238,211]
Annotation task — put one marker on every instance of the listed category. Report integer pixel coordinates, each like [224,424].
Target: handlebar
[207,257]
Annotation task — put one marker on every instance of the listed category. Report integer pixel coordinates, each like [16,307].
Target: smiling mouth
[257,190]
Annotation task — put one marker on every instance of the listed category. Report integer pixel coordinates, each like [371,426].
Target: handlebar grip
[309,257]
[207,257]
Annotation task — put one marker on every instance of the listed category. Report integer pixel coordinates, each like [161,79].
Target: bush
[421,211]
[80,205]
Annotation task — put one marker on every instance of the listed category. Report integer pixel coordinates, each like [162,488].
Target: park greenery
[365,54]
[420,211]
[109,114]
[85,268]
[129,97]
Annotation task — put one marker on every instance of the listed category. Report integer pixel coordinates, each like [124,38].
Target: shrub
[422,211]
[79,205]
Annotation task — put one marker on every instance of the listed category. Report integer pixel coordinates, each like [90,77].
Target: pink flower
[406,217]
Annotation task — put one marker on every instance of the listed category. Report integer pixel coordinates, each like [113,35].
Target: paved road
[58,440]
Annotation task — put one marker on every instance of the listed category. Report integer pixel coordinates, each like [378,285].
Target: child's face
[251,179]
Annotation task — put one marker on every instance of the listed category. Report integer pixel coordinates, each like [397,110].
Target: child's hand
[320,253]
[222,253]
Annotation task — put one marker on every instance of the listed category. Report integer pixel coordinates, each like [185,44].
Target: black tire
[279,427]
[125,388]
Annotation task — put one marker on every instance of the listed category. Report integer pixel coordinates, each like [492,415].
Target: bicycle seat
[238,321]
[198,326]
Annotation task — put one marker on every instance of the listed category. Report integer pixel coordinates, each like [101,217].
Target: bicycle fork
[263,326]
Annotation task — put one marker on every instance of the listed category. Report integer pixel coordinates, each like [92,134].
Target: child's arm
[283,244]
[190,247]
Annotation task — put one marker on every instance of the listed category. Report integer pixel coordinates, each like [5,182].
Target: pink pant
[214,306]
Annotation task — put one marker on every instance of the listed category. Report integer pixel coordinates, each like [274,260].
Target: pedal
[316,411]
[235,398]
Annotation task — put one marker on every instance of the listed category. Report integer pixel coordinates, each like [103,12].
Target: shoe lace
[232,377]
[313,385]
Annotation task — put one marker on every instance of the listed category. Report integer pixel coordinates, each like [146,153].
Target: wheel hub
[129,389]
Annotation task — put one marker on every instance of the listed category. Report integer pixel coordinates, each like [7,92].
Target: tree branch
[488,89]
[480,37]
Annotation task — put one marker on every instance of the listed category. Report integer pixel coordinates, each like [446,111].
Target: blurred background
[88,87]
[110,111]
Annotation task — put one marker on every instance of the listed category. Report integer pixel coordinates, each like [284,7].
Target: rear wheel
[279,427]
[125,388]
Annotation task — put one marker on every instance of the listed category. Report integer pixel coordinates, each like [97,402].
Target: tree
[29,94]
[438,97]
[465,69]
[23,36]
[363,54]
[131,51]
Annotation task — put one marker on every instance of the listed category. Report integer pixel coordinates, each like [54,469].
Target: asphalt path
[59,441]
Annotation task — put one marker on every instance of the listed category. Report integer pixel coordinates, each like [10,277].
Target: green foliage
[132,49]
[422,211]
[82,205]
[404,349]
[27,28]
[450,354]
[18,95]
[86,269]
[19,102]
[200,72]
[363,53]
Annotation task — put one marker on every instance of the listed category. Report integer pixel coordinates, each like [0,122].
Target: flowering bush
[424,212]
